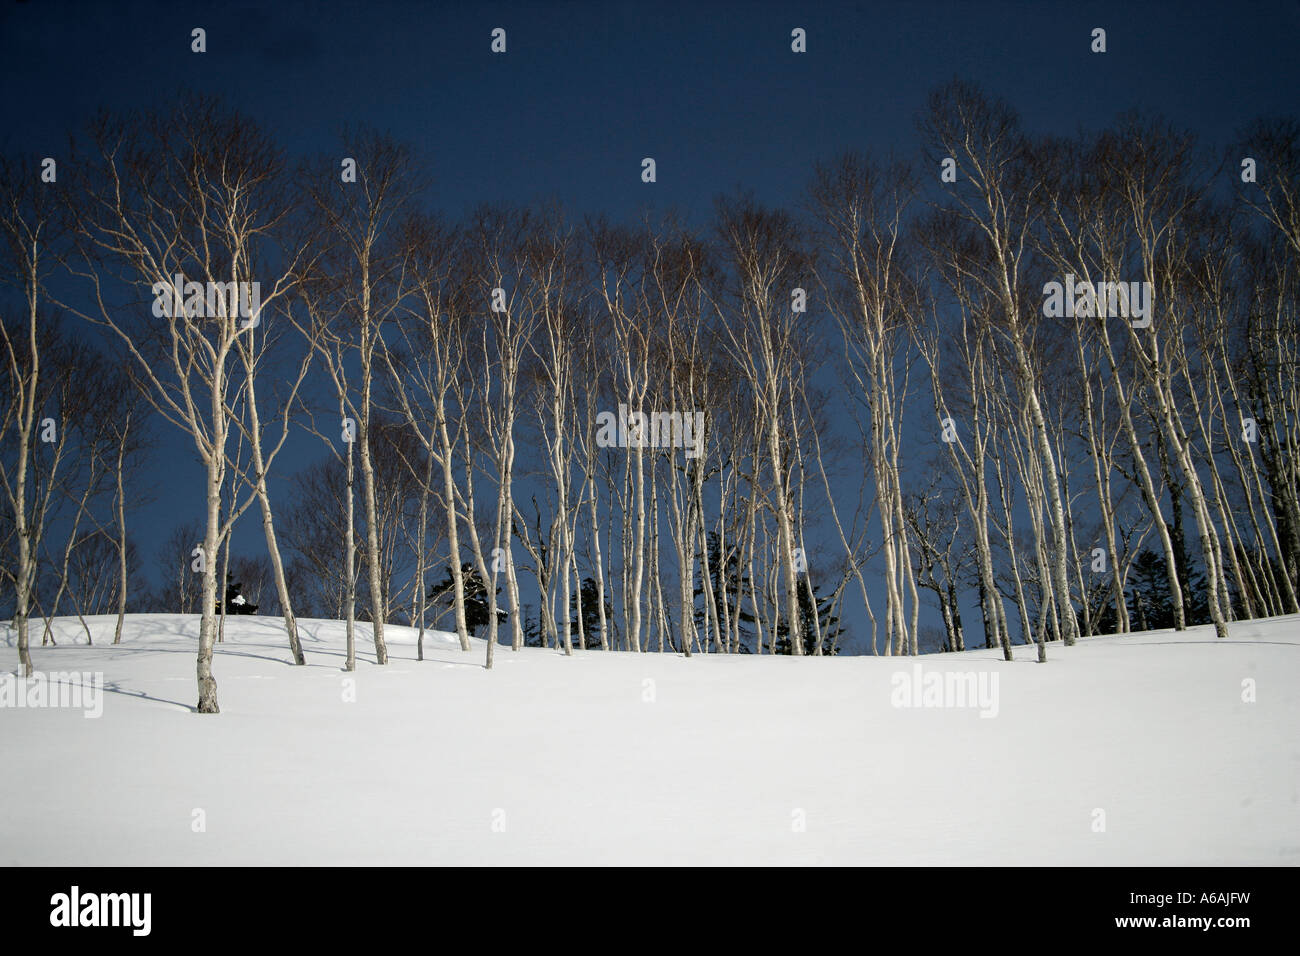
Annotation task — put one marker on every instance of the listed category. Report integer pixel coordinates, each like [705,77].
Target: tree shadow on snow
[113,687]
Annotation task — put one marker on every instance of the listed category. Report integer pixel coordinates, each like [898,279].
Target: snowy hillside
[1145,749]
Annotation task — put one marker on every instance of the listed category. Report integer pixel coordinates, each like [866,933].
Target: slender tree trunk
[638,572]
[377,612]
[420,547]
[26,570]
[121,534]
[222,580]
[453,532]
[350,558]
[508,510]
[600,568]
[784,529]
[211,543]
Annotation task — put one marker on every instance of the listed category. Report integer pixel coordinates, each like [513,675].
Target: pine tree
[730,585]
[477,607]
[831,631]
[531,627]
[1151,604]
[590,612]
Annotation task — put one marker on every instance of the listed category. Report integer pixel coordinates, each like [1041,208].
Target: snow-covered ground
[1144,749]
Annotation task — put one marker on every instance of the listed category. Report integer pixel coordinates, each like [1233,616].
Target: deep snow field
[1120,750]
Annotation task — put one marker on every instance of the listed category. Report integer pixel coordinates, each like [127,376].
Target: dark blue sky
[711,90]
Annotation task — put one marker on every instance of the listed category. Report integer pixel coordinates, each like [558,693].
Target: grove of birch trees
[705,432]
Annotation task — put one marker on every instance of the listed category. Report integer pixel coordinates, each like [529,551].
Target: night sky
[711,90]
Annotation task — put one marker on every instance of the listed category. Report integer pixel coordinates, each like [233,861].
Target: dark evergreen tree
[1106,620]
[477,606]
[590,612]
[829,623]
[726,581]
[1151,606]
[532,627]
